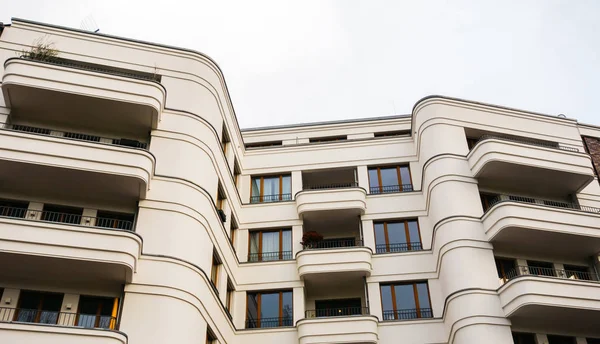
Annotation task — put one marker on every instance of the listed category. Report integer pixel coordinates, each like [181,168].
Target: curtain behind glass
[254,240]
[255,190]
[286,188]
[270,246]
[286,244]
[271,189]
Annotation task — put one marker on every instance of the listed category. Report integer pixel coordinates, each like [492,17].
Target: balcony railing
[78,136]
[270,322]
[407,314]
[331,186]
[336,312]
[269,256]
[491,201]
[524,140]
[271,198]
[550,272]
[332,243]
[398,247]
[75,219]
[391,188]
[38,316]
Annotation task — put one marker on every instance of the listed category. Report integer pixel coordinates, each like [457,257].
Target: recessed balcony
[531,226]
[351,198]
[519,164]
[352,328]
[565,301]
[81,94]
[315,262]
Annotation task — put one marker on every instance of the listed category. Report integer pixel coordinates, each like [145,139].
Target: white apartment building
[134,210]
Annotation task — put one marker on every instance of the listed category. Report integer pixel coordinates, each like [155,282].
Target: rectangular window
[523,338]
[233,227]
[10,208]
[264,144]
[337,308]
[393,133]
[229,296]
[221,197]
[269,309]
[506,268]
[390,179]
[270,245]
[107,219]
[237,172]
[214,271]
[578,272]
[555,339]
[593,340]
[397,236]
[210,336]
[38,307]
[488,200]
[540,268]
[58,213]
[471,142]
[97,312]
[405,301]
[224,140]
[328,139]
[271,188]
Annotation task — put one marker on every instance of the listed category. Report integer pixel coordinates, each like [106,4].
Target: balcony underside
[35,333]
[351,199]
[351,329]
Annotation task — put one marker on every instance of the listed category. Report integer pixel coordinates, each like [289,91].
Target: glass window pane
[386,298]
[252,310]
[254,241]
[389,177]
[255,189]
[405,297]
[413,232]
[271,189]
[423,294]
[373,179]
[405,175]
[396,233]
[269,310]
[287,309]
[379,234]
[270,246]
[286,187]
[286,244]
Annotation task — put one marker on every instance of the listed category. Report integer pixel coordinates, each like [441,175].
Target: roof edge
[314,124]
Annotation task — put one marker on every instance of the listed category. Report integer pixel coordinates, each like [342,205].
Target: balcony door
[37,307]
[339,307]
[97,312]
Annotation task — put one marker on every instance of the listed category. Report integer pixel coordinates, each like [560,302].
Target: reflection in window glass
[389,177]
[373,179]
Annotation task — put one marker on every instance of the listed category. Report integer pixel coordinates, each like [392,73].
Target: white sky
[304,61]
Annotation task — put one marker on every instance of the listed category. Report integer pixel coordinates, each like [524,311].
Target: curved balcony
[352,199]
[15,332]
[567,304]
[509,163]
[352,326]
[535,227]
[104,94]
[104,170]
[313,262]
[66,247]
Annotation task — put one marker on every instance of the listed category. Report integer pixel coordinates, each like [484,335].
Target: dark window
[393,133]
[58,213]
[390,179]
[107,219]
[233,227]
[229,296]
[339,307]
[540,268]
[269,309]
[506,268]
[471,142]
[554,339]
[579,272]
[523,338]
[328,139]
[13,208]
[37,307]
[397,236]
[236,172]
[214,271]
[97,312]
[593,340]
[224,140]
[271,188]
[263,144]
[488,200]
[221,197]
[406,301]
[270,245]
[210,336]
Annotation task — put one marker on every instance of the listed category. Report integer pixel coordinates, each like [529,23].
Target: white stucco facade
[133,209]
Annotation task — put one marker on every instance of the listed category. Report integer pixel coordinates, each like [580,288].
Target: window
[233,227]
[270,245]
[97,312]
[224,140]
[229,296]
[578,272]
[13,208]
[108,219]
[393,133]
[540,268]
[236,172]
[263,144]
[214,271]
[37,307]
[398,236]
[593,340]
[472,142]
[338,307]
[523,338]
[488,200]
[210,336]
[554,339]
[269,309]
[390,179]
[406,301]
[271,189]
[506,268]
[221,197]
[58,213]
[328,139]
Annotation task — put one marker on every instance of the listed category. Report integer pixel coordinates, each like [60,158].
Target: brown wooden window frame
[260,258]
[221,197]
[415,297]
[399,178]
[225,141]
[114,311]
[262,186]
[258,304]
[215,269]
[229,296]
[409,241]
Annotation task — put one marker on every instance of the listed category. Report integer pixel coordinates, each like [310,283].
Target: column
[299,303]
[296,182]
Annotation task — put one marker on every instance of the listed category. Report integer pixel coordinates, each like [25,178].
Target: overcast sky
[304,61]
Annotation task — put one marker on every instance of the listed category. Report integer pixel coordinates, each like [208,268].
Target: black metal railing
[75,219]
[407,314]
[525,270]
[491,201]
[98,68]
[399,247]
[269,256]
[336,312]
[270,322]
[391,188]
[271,198]
[38,316]
[332,243]
[77,136]
[524,140]
[331,186]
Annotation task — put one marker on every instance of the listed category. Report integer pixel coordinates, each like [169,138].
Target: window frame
[258,305]
[399,180]
[261,231]
[215,269]
[261,194]
[406,232]
[229,295]
[113,312]
[414,284]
